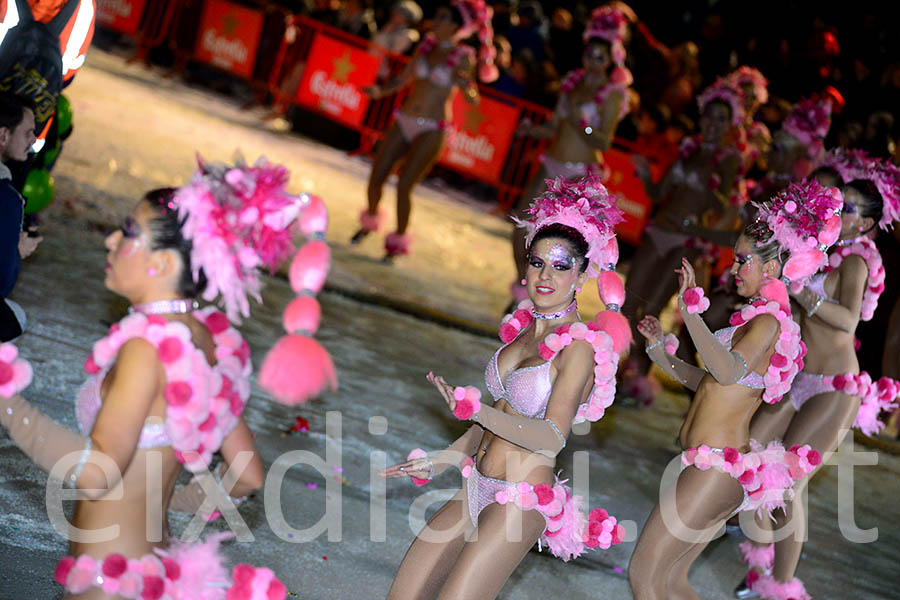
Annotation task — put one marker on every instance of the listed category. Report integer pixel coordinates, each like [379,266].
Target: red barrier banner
[481,137]
[229,36]
[632,198]
[333,77]
[123,16]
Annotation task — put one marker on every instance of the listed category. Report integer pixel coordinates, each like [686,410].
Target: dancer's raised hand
[686,276]
[650,328]
[445,389]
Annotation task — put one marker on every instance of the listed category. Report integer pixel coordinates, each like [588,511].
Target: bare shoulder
[575,355]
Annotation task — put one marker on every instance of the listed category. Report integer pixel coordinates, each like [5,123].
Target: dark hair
[165,228]
[568,234]
[764,245]
[12,110]
[456,15]
[827,172]
[871,203]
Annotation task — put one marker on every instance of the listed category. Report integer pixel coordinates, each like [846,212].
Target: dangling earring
[151,272]
[523,282]
[765,275]
[578,290]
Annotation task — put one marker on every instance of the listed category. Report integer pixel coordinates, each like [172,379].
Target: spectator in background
[684,78]
[878,138]
[356,18]
[526,32]
[398,34]
[16,137]
[325,11]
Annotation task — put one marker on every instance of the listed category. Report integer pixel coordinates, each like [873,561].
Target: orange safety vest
[74,40]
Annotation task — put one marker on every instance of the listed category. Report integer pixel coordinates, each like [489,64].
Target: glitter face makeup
[558,256]
[743,259]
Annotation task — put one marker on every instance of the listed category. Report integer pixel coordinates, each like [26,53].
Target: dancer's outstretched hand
[445,389]
[650,328]
[686,276]
[418,467]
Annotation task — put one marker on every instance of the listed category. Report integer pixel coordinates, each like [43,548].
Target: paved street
[135,130]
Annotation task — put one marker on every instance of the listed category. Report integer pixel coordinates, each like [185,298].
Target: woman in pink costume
[591,103]
[441,63]
[167,388]
[552,371]
[723,469]
[693,192]
[753,136]
[825,398]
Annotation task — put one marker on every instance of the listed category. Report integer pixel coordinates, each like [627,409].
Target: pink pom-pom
[802,264]
[314,218]
[508,333]
[370,222]
[310,267]
[670,344]
[62,569]
[468,402]
[611,288]
[296,369]
[488,72]
[616,326]
[773,290]
[302,316]
[621,76]
[695,300]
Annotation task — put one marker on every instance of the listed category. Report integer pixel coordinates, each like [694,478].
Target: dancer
[753,136]
[751,362]
[166,390]
[441,62]
[690,193]
[552,370]
[592,102]
[825,396]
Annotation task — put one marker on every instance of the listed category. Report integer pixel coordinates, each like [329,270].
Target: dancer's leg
[426,565]
[677,586]
[392,149]
[535,186]
[486,563]
[423,153]
[771,421]
[703,500]
[822,423]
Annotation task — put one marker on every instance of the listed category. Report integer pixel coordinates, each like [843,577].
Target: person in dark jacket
[16,137]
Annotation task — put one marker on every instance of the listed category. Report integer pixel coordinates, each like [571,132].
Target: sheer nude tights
[822,422]
[663,555]
[475,563]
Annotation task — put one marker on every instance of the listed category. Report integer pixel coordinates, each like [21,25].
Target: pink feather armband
[468,402]
[695,300]
[15,372]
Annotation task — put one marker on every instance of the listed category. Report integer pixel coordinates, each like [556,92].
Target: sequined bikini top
[527,389]
[752,379]
[440,74]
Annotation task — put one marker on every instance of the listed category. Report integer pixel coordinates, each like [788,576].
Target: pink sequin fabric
[527,389]
[481,491]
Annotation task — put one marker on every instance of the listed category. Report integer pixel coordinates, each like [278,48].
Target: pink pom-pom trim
[695,300]
[309,268]
[297,369]
[15,373]
[302,316]
[468,402]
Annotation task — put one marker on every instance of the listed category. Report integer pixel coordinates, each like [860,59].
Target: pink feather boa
[757,557]
[769,589]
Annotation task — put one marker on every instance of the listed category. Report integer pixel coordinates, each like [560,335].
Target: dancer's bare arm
[843,315]
[726,366]
[133,384]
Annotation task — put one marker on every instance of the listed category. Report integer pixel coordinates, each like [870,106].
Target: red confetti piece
[324,558]
[302,425]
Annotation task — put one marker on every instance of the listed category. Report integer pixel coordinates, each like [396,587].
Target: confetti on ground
[337,469]
[311,485]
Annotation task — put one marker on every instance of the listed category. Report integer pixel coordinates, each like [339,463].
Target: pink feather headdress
[237,219]
[746,75]
[477,17]
[585,206]
[805,220]
[809,121]
[608,23]
[857,164]
[722,91]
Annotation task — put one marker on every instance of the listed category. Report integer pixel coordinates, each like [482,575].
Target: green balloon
[51,153]
[38,191]
[63,114]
